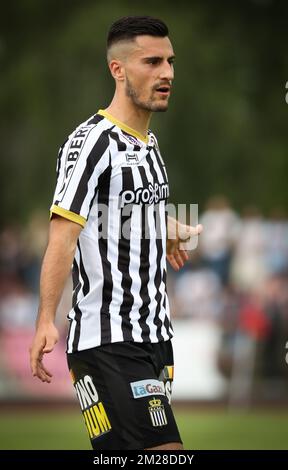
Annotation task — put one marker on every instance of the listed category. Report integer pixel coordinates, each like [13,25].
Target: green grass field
[208,429]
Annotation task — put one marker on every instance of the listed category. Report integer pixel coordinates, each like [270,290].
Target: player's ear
[117,69]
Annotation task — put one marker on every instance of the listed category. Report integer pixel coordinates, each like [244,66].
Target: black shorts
[124,391]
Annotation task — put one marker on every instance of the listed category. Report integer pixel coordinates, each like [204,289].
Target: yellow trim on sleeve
[123,126]
[78,219]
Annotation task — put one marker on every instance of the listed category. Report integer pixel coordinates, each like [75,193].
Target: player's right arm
[56,266]
[82,159]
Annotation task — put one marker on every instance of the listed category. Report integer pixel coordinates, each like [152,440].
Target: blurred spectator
[198,294]
[10,256]
[18,309]
[35,239]
[248,269]
[275,298]
[250,329]
[221,231]
[276,242]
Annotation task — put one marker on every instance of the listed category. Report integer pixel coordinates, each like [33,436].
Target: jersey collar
[123,126]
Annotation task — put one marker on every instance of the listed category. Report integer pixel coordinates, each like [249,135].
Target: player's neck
[129,114]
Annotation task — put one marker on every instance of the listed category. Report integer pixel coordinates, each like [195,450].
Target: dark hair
[129,27]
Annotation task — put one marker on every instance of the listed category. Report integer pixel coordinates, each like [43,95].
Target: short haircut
[128,27]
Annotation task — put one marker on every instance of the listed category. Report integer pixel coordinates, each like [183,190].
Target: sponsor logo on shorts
[167,373]
[157,413]
[166,376]
[96,420]
[147,388]
[93,410]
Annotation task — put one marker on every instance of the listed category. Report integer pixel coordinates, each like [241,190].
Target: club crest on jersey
[157,413]
[132,159]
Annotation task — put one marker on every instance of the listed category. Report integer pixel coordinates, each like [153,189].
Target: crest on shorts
[157,413]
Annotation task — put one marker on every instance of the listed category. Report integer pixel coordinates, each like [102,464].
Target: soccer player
[108,218]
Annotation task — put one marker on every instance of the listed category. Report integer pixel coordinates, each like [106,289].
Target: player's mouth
[163,90]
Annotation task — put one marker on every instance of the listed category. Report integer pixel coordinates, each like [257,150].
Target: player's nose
[167,72]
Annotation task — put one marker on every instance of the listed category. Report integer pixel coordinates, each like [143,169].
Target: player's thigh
[123,402]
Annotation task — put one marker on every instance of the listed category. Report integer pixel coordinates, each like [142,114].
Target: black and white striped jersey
[113,182]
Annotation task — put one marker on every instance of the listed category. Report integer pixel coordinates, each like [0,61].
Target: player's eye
[153,61]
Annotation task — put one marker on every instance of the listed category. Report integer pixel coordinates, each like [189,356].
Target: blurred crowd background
[224,140]
[231,296]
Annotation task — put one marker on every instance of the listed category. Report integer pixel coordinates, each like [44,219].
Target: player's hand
[44,341]
[176,245]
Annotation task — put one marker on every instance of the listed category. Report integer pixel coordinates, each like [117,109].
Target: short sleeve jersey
[113,182]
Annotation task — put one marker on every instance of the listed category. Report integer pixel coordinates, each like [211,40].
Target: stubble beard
[148,105]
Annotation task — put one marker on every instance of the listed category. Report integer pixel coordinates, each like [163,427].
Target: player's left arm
[177,236]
